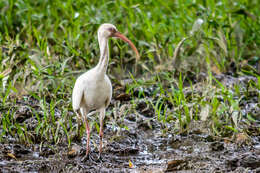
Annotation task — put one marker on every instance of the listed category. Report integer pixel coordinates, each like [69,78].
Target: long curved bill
[122,37]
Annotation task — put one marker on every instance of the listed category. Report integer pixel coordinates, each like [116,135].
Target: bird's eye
[112,30]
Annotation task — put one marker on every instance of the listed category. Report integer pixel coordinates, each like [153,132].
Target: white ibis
[93,89]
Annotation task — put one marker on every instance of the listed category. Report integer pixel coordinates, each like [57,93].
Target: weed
[45,45]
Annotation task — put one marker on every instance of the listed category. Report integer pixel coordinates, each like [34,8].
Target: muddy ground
[146,145]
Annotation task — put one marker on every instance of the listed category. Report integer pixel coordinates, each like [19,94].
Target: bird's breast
[98,94]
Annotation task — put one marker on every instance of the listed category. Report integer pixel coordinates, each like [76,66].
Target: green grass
[46,44]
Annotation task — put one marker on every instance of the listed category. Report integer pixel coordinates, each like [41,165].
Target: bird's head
[107,30]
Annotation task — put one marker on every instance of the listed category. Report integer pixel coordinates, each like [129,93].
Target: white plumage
[93,89]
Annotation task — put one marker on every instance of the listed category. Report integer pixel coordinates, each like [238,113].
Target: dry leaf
[215,69]
[242,138]
[172,165]
[72,152]
[11,155]
[131,165]
[75,149]
[227,140]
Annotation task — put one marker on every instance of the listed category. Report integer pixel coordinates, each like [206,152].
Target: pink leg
[88,135]
[101,119]
[101,138]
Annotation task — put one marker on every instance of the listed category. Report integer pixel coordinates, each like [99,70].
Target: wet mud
[135,142]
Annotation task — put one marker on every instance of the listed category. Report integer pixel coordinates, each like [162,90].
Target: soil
[142,144]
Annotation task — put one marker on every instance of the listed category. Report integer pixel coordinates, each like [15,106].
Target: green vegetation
[46,44]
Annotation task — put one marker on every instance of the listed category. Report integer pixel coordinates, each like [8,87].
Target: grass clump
[186,47]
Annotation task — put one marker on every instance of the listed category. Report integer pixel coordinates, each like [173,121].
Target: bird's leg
[79,118]
[101,138]
[88,135]
[101,119]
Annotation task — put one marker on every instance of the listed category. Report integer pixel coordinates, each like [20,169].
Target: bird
[92,91]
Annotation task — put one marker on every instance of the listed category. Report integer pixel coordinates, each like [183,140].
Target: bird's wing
[77,96]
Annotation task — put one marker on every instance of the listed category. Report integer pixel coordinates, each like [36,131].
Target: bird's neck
[104,55]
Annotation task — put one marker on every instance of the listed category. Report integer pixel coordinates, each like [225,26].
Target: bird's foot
[85,158]
[88,157]
[100,158]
